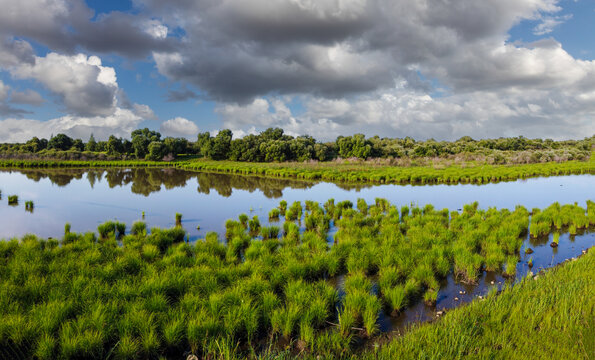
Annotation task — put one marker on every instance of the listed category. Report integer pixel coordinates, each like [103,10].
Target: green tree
[141,138]
[78,145]
[60,142]
[91,144]
[156,151]
[114,145]
[221,145]
[33,145]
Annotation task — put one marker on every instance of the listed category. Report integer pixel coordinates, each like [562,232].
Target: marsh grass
[518,318]
[274,214]
[13,200]
[29,206]
[154,295]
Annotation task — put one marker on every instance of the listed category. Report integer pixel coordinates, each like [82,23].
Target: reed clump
[13,200]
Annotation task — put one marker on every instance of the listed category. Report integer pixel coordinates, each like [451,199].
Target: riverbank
[549,316]
[346,172]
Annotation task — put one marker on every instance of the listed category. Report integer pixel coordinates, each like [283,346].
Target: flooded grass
[13,200]
[517,323]
[262,290]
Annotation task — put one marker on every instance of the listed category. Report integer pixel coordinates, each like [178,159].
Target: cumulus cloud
[65,25]
[5,108]
[179,127]
[371,66]
[144,111]
[84,86]
[400,112]
[15,52]
[401,67]
[28,97]
[121,123]
[237,50]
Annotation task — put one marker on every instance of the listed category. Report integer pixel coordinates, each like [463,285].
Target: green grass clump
[13,200]
[274,214]
[29,206]
[139,228]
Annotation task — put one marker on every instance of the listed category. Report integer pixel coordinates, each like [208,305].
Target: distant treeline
[273,145]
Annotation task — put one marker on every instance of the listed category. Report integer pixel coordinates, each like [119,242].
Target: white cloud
[121,123]
[144,111]
[156,29]
[549,23]
[85,87]
[179,127]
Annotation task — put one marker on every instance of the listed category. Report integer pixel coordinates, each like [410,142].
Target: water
[86,198]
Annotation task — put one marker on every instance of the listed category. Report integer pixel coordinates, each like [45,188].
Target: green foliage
[153,295]
[518,318]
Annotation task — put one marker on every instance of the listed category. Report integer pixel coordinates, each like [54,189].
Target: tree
[33,145]
[156,151]
[78,145]
[203,144]
[176,146]
[221,145]
[114,145]
[322,152]
[60,142]
[141,138]
[91,144]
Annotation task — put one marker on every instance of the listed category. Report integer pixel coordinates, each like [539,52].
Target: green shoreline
[549,316]
[343,172]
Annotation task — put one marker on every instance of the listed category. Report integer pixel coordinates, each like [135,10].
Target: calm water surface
[86,198]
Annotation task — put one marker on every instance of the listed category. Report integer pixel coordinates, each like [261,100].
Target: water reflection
[146,181]
[88,197]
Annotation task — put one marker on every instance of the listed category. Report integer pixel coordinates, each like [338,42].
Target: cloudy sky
[423,68]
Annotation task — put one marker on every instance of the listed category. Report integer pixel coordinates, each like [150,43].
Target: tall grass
[549,318]
[149,294]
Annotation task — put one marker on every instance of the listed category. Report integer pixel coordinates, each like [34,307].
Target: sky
[438,69]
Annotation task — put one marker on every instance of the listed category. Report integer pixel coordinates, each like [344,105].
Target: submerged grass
[262,291]
[548,318]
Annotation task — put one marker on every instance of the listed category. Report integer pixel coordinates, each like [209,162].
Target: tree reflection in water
[146,181]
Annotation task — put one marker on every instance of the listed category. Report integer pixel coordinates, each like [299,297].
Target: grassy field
[552,317]
[268,290]
[356,172]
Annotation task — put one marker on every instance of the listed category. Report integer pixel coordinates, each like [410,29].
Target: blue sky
[326,68]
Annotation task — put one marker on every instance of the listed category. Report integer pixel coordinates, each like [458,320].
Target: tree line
[273,145]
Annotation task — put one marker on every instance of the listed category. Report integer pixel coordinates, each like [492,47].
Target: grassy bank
[263,290]
[552,317]
[356,172]
[370,173]
[81,163]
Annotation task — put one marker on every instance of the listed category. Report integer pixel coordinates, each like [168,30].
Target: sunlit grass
[150,294]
